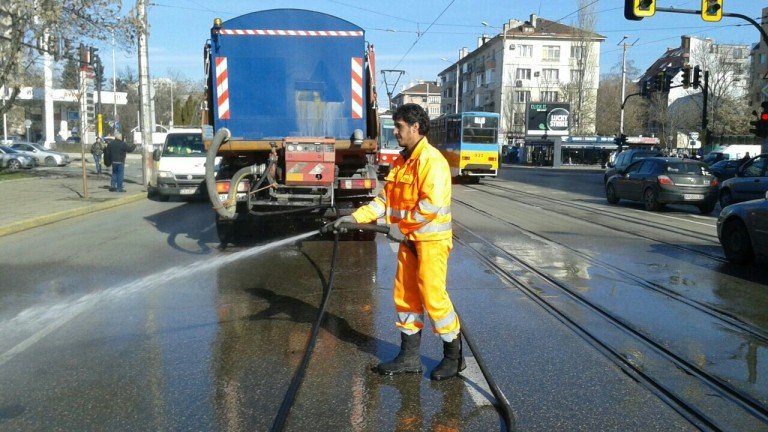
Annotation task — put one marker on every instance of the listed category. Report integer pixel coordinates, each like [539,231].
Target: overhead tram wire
[422,34]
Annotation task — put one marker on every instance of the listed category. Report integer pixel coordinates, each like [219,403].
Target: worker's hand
[335,226]
[395,234]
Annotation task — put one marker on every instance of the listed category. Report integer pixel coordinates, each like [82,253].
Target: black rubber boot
[452,362]
[408,359]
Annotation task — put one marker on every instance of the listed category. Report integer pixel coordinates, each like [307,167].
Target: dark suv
[623,159]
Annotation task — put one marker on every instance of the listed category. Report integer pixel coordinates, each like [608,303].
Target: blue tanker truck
[291,98]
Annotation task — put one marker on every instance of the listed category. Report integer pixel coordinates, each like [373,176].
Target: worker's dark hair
[412,113]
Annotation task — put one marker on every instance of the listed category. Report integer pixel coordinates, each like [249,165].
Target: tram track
[720,314]
[616,216]
[707,401]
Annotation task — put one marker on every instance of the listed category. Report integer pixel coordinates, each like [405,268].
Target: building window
[433,110]
[549,96]
[737,54]
[522,96]
[523,74]
[762,59]
[550,53]
[576,75]
[576,52]
[525,51]
[550,75]
[434,99]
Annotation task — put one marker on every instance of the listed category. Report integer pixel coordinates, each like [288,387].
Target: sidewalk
[55,194]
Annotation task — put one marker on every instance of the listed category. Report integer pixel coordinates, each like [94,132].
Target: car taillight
[714,182]
[665,180]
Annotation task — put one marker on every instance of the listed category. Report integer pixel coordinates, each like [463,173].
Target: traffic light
[686,76]
[636,10]
[696,77]
[659,82]
[712,10]
[761,124]
[92,55]
[620,141]
[647,88]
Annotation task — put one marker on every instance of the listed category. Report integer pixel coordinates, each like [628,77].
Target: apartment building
[758,90]
[535,60]
[425,93]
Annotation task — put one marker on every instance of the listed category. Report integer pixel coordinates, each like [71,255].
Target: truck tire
[225,230]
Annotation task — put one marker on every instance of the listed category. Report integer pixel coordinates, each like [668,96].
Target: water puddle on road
[39,321]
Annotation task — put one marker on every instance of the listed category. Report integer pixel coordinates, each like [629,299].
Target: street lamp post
[456,90]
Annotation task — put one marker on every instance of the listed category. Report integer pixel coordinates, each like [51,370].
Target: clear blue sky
[180,27]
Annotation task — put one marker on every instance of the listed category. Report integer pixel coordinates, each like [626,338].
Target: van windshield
[182,145]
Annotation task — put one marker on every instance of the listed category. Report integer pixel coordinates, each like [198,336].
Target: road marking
[476,385]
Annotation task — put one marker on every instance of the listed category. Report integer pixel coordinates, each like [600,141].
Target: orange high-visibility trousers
[420,283]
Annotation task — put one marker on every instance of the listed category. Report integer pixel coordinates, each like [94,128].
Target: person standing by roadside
[117,150]
[97,149]
[416,202]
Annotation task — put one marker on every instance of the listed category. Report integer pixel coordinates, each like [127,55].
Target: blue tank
[288,72]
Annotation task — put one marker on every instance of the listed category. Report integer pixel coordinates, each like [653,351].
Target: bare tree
[25,22]
[728,103]
[581,89]
[609,96]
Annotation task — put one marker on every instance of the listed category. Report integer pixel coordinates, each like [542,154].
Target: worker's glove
[395,234]
[335,226]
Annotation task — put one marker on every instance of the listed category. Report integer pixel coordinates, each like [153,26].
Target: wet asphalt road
[134,319]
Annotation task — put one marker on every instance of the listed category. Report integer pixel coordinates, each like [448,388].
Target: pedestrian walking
[97,149]
[416,202]
[117,150]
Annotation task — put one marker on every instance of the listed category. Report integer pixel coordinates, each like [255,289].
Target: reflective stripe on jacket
[416,197]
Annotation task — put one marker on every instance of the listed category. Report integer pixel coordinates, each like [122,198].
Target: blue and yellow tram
[469,141]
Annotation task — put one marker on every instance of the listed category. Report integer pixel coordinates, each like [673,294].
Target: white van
[731,152]
[179,166]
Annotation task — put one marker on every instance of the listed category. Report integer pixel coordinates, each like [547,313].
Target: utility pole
[624,79]
[146,119]
[384,73]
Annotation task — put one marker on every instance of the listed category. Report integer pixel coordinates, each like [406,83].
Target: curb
[68,214]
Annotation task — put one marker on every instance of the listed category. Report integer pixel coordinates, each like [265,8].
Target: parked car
[725,169]
[13,160]
[743,230]
[750,182]
[625,158]
[48,157]
[658,181]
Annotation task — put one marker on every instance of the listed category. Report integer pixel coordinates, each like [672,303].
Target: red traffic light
[764,116]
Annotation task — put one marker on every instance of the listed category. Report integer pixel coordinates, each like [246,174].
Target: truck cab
[179,165]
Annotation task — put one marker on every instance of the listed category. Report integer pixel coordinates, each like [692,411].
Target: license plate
[188,191]
[693,196]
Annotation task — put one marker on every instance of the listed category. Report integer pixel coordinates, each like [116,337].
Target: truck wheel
[225,231]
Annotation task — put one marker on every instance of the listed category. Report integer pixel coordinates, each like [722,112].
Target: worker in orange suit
[416,203]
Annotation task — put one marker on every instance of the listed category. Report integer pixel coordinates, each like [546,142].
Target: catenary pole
[146,115]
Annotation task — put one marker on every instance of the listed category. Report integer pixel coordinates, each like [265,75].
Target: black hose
[298,378]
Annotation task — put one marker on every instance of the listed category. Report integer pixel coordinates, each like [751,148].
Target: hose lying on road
[502,404]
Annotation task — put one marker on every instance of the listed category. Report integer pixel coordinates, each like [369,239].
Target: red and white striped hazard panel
[222,88]
[357,87]
[260,32]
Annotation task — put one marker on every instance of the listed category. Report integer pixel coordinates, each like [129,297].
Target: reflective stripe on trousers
[420,283]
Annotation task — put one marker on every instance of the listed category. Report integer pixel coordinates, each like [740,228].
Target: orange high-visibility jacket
[416,197]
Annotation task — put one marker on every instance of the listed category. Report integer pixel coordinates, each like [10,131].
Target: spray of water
[42,320]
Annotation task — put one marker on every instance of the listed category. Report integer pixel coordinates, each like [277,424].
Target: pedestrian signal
[696,77]
[712,10]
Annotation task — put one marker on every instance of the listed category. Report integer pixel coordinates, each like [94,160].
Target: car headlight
[165,174]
